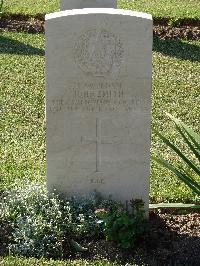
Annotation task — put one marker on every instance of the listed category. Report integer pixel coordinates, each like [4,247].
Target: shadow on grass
[11,46]
[177,49]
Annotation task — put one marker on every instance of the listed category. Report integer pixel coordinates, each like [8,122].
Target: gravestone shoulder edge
[109,11]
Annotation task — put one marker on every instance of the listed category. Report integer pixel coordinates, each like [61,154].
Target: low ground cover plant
[44,225]
[42,222]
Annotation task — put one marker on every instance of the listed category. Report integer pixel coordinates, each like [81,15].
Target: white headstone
[78,4]
[98,90]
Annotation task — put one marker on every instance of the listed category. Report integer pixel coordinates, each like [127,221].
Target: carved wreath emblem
[98,52]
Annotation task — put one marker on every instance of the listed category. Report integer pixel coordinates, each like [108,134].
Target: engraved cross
[97,141]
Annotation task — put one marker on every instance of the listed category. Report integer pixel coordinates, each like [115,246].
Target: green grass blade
[192,148]
[192,135]
[185,173]
[186,179]
[182,156]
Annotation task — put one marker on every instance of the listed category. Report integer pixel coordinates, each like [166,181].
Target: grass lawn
[31,6]
[22,98]
[164,8]
[14,261]
[176,88]
[158,8]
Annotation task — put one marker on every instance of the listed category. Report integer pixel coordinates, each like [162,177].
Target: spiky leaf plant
[192,139]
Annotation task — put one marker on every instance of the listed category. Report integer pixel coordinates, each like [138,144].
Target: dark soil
[173,240]
[188,29]
[181,22]
[184,32]
[22,24]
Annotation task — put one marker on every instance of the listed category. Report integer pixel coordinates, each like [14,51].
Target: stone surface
[98,90]
[78,4]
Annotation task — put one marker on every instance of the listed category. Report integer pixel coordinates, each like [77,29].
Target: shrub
[44,225]
[42,221]
[123,226]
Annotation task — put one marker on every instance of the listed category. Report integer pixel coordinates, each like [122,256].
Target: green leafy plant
[123,226]
[192,139]
[1,5]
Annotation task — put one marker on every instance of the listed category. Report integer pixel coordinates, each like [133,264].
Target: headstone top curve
[87,11]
